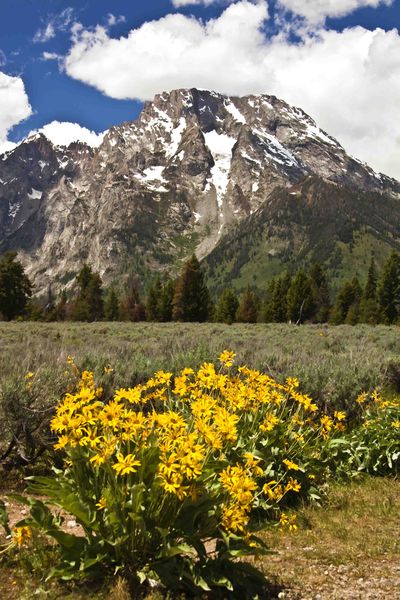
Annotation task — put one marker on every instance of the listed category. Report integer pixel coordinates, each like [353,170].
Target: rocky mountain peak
[193,165]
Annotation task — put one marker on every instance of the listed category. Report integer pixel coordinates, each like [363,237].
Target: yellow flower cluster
[204,427]
[21,535]
[241,487]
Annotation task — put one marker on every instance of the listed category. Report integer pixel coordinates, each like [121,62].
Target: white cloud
[51,56]
[45,34]
[318,10]
[3,58]
[113,20]
[176,51]
[60,134]
[348,81]
[64,134]
[6,146]
[55,23]
[14,106]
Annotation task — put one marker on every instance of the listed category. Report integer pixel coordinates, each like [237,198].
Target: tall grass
[334,364]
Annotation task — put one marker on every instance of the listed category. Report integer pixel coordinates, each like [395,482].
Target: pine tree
[132,308]
[320,292]
[275,309]
[369,308]
[300,302]
[372,279]
[89,303]
[348,298]
[267,313]
[247,311]
[167,297]
[60,310]
[15,287]
[389,290]
[225,311]
[154,308]
[111,307]
[191,298]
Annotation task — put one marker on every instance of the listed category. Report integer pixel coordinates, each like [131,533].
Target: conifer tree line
[300,297]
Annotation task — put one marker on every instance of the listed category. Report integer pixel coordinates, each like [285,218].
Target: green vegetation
[15,287]
[295,297]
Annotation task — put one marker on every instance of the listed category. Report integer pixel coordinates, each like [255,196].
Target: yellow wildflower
[206,375]
[292,523]
[253,464]
[339,415]
[283,519]
[133,395]
[293,484]
[101,504]
[292,466]
[268,489]
[289,521]
[22,535]
[227,358]
[292,382]
[234,518]
[63,441]
[269,423]
[126,464]
[162,378]
[225,424]
[362,398]
[173,484]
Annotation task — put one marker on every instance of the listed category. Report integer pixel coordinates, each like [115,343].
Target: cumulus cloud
[65,133]
[348,81]
[55,23]
[318,10]
[176,51]
[14,107]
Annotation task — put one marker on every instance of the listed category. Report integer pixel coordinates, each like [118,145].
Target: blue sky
[71,72]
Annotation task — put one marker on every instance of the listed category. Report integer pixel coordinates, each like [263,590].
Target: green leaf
[177,550]
[68,541]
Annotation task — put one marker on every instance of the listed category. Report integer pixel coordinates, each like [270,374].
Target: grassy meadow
[333,364]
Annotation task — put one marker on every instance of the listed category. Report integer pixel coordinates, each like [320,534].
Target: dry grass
[348,548]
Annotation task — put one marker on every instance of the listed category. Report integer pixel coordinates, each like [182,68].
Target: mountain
[251,184]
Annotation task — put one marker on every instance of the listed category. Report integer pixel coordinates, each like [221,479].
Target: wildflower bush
[167,478]
[171,479]
[373,445]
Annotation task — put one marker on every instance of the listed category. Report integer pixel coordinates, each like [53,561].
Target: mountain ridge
[194,167]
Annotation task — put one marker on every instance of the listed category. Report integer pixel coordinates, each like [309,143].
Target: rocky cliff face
[191,169]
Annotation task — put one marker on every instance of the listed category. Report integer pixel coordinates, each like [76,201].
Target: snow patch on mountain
[35,194]
[14,208]
[152,178]
[234,111]
[176,137]
[274,150]
[220,146]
